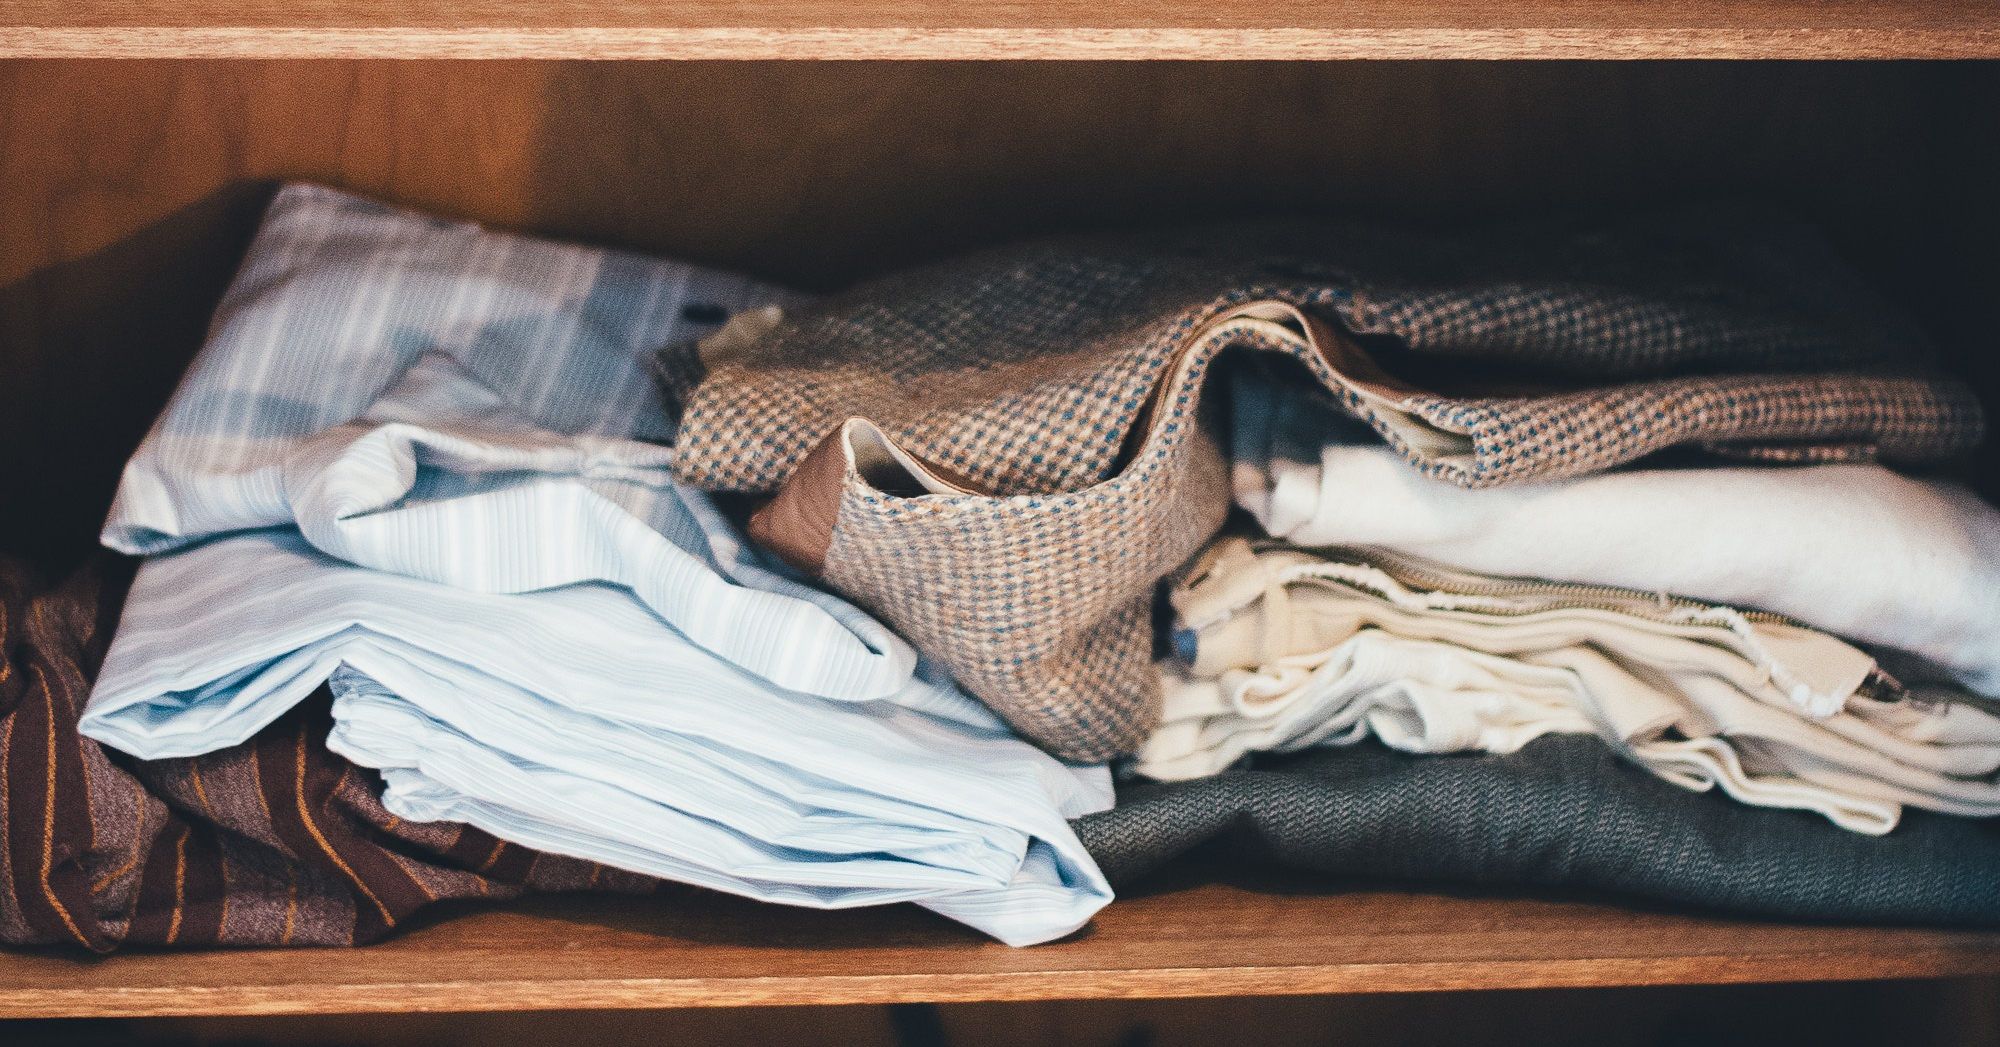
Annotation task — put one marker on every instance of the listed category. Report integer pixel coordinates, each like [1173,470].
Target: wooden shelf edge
[333,996]
[979,43]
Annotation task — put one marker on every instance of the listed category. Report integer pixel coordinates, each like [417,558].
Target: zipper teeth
[1638,602]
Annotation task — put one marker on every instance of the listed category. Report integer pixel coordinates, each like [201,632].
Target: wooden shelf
[1248,936]
[992,29]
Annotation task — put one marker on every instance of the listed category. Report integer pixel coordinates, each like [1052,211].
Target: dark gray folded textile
[1564,811]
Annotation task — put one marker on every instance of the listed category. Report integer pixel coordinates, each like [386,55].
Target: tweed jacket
[1031,455]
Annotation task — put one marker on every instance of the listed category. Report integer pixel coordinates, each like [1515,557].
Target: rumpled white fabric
[1288,650]
[1857,550]
[412,461]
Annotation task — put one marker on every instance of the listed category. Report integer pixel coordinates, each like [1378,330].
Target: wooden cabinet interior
[131,187]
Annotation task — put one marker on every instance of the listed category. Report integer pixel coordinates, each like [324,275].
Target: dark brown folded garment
[272,842]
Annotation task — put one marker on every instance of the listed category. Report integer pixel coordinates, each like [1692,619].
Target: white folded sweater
[1856,550]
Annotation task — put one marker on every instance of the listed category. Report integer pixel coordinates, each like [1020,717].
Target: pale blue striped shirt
[416,459]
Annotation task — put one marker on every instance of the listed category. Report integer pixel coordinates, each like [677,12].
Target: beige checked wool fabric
[1523,354]
[1039,604]
[1030,457]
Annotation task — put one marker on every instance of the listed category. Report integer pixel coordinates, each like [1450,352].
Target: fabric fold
[1054,445]
[527,624]
[1288,650]
[275,842]
[1563,812]
[1536,351]
[1856,550]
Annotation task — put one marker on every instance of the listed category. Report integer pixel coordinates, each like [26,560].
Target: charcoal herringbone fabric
[1564,811]
[1035,459]
[273,842]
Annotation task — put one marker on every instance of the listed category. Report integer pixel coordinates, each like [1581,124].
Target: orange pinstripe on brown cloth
[273,842]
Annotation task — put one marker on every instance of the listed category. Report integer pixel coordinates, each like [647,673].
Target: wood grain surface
[822,173]
[1248,936]
[1958,1012]
[989,29]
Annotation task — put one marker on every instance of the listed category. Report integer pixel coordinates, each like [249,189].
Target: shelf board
[995,29]
[1243,936]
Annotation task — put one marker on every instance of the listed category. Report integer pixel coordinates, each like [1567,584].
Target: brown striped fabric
[273,842]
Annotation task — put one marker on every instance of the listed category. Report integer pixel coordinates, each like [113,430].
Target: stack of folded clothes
[1686,615]
[437,602]
[1033,423]
[1286,649]
[1001,454]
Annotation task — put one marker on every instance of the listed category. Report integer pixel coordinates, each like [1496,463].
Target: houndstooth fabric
[1041,604]
[1024,368]
[1766,417]
[1029,374]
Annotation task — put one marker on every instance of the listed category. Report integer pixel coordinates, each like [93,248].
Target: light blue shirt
[414,460]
